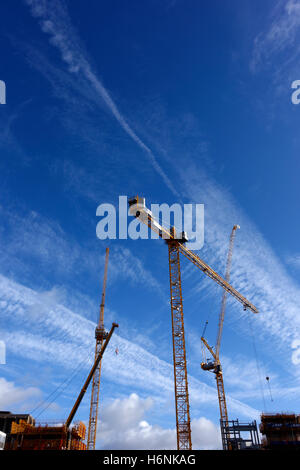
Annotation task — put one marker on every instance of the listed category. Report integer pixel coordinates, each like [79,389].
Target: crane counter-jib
[140,211]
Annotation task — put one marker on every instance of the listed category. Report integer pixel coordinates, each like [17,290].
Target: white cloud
[205,434]
[122,425]
[14,398]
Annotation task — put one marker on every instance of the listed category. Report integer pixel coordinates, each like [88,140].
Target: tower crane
[215,365]
[176,246]
[100,336]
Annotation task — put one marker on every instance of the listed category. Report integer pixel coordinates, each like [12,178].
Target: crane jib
[147,218]
[163,233]
[216,277]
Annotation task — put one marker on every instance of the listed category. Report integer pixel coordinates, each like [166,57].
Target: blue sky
[177,101]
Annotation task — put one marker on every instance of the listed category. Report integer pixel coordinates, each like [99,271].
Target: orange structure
[100,335]
[25,436]
[214,364]
[176,244]
[183,422]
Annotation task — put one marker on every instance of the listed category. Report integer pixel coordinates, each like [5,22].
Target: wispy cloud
[16,397]
[280,34]
[55,21]
[8,139]
[61,336]
[32,241]
[293,260]
[256,270]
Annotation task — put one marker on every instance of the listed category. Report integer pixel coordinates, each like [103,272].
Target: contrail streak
[55,21]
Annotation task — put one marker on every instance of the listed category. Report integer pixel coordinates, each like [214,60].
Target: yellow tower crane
[176,245]
[214,365]
[100,335]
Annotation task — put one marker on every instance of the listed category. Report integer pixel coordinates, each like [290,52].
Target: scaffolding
[7,418]
[280,430]
[232,438]
[54,436]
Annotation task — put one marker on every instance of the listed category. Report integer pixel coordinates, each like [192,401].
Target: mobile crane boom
[89,378]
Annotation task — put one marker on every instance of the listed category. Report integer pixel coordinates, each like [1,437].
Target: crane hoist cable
[268,382]
[211,308]
[61,387]
[259,374]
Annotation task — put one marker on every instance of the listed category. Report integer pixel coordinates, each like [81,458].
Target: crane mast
[183,424]
[176,245]
[100,336]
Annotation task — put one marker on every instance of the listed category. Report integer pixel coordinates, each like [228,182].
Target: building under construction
[239,436]
[25,434]
[55,436]
[7,419]
[281,430]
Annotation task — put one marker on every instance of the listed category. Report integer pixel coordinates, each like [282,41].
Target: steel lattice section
[92,430]
[179,353]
